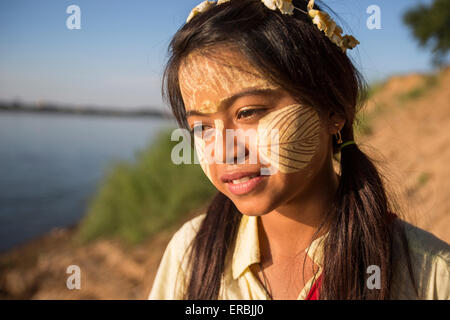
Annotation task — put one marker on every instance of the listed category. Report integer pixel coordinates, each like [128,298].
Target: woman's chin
[249,209]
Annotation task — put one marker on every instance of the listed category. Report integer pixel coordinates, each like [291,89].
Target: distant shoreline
[104,112]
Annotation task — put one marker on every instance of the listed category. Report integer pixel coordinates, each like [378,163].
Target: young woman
[303,231]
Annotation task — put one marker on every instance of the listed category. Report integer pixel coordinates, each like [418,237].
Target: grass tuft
[137,199]
[430,82]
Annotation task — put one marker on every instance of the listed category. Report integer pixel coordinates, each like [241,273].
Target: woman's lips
[244,187]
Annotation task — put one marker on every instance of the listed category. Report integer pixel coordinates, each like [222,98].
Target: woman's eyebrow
[230,100]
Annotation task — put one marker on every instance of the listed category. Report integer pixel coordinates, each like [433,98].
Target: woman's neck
[290,227]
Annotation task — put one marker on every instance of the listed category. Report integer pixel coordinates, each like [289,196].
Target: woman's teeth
[237,181]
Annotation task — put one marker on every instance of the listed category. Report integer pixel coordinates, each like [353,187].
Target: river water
[50,164]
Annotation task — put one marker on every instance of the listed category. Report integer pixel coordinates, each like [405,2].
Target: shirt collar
[246,251]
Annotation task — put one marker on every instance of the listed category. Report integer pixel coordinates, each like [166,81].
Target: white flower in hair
[324,22]
[202,7]
[270,4]
[285,6]
[321,19]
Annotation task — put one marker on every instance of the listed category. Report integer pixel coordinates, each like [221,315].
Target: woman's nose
[231,144]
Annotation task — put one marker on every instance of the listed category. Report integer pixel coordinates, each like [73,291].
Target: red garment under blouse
[314,292]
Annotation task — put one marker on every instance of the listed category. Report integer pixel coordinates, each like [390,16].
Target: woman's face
[274,147]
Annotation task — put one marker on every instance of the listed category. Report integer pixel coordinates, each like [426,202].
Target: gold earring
[338,134]
[338,137]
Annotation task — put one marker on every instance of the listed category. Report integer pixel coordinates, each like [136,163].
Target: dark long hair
[294,53]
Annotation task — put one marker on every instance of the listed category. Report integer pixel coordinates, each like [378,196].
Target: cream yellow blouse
[430,258]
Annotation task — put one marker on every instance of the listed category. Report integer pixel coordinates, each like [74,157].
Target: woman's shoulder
[422,242]
[171,275]
[430,262]
[184,236]
[190,228]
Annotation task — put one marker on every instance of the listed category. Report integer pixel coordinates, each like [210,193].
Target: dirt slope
[411,139]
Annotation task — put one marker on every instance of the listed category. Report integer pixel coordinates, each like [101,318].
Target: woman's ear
[335,122]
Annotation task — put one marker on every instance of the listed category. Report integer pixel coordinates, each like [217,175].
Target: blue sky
[117,57]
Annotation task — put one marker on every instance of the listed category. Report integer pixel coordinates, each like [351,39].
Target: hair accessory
[202,7]
[346,144]
[285,6]
[324,22]
[321,19]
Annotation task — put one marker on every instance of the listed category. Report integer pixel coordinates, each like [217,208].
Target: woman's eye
[248,113]
[200,127]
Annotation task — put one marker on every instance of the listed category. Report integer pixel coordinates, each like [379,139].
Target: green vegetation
[364,121]
[430,82]
[430,25]
[375,88]
[363,125]
[138,199]
[423,179]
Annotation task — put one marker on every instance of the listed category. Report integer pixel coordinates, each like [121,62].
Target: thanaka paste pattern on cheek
[201,143]
[200,147]
[298,131]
